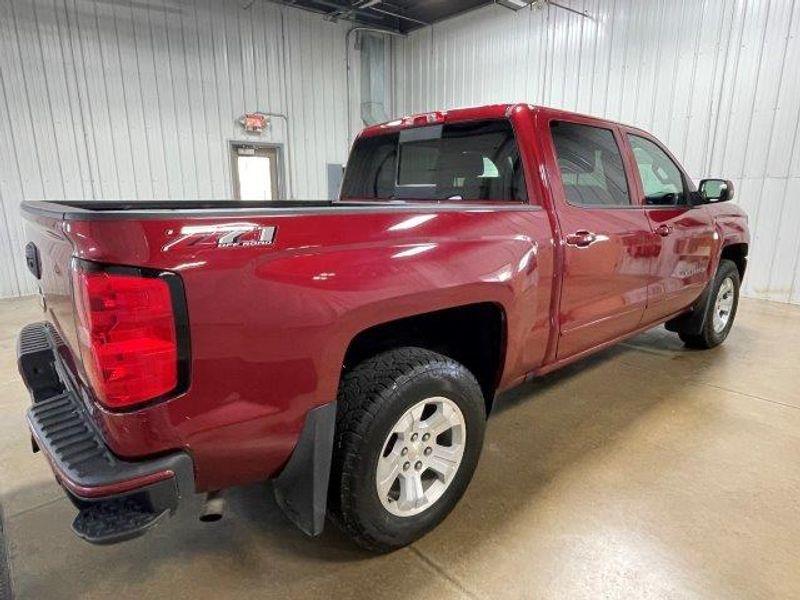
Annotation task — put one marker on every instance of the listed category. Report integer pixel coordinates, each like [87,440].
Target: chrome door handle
[581,238]
[664,230]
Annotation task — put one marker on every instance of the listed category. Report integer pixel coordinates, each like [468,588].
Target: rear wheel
[721,310]
[409,432]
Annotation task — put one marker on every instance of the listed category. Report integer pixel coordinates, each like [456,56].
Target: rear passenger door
[605,234]
[685,233]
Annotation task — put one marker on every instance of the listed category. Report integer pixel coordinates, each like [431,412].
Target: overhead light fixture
[514,4]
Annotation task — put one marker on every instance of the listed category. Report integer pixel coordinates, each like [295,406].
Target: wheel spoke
[416,414]
[388,471]
[438,422]
[444,461]
[412,494]
[404,425]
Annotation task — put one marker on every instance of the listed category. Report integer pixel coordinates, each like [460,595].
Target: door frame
[277,167]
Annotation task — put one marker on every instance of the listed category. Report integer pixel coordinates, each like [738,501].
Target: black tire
[373,396]
[709,337]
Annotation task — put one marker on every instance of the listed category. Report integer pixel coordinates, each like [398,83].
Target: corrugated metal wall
[105,99]
[716,80]
[135,100]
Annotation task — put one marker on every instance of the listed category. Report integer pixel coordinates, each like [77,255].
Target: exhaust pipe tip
[210,517]
[214,507]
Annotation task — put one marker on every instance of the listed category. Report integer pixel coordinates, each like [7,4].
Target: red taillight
[127,336]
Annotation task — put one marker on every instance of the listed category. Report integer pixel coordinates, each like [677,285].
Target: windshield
[460,161]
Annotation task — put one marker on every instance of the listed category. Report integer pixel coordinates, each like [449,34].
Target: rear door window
[590,163]
[459,161]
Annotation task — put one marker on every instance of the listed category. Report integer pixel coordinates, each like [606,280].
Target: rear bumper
[117,499]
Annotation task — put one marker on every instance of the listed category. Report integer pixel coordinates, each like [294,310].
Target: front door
[606,236]
[685,233]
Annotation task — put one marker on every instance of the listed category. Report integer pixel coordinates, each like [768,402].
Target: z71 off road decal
[223,235]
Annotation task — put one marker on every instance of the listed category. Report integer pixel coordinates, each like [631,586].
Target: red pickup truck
[351,350]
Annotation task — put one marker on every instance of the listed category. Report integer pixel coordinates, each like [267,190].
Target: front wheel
[409,432]
[721,309]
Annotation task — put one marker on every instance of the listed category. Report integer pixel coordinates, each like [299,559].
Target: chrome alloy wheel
[421,456]
[723,305]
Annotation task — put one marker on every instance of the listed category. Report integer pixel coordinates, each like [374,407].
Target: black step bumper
[117,499]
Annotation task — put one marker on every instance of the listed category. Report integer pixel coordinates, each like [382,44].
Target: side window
[661,179]
[591,165]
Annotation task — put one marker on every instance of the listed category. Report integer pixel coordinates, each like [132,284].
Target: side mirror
[715,190]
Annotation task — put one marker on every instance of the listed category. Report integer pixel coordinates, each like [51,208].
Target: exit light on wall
[254,122]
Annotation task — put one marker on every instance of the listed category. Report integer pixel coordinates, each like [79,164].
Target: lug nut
[404,451]
[406,466]
[414,437]
[418,465]
[428,451]
[426,437]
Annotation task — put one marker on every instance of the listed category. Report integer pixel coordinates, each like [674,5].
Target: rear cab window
[476,160]
[591,166]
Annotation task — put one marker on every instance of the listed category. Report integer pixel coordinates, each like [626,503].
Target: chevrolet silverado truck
[351,350]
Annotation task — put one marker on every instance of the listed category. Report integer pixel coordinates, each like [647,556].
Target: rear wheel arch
[473,334]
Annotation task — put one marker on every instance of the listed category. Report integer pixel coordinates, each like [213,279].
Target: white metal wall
[135,100]
[716,80]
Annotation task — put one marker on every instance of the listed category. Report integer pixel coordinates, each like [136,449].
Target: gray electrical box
[335,176]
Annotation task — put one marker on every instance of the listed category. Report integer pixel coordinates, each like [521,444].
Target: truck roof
[471,113]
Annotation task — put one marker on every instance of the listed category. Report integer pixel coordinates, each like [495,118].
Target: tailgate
[49,254]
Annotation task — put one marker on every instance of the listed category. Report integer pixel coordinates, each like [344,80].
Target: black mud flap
[691,323]
[301,490]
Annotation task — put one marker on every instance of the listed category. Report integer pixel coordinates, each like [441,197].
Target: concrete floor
[646,471]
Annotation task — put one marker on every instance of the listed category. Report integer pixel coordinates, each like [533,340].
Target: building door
[255,171]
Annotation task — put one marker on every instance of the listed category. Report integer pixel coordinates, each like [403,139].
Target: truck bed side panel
[270,324]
